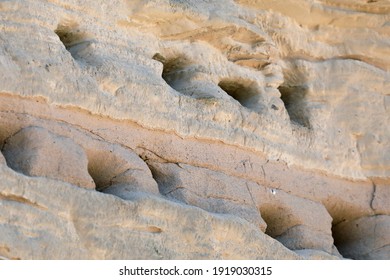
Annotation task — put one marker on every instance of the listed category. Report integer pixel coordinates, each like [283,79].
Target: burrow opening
[338,239]
[71,36]
[341,212]
[174,72]
[245,92]
[102,167]
[277,218]
[115,166]
[294,99]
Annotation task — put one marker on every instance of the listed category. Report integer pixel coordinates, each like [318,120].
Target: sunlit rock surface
[188,129]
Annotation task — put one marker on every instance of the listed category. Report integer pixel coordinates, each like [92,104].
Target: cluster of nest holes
[104,166]
[276,218]
[72,37]
[175,73]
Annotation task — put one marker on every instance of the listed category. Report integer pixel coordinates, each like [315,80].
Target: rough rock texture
[209,190]
[114,167]
[170,129]
[81,224]
[35,151]
[2,159]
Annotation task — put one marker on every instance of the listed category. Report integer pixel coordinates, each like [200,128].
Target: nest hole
[174,70]
[294,101]
[245,92]
[71,35]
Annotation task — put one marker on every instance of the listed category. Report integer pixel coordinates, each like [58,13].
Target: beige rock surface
[294,71]
[315,255]
[275,212]
[381,197]
[35,151]
[209,190]
[302,237]
[246,129]
[114,166]
[57,221]
[2,159]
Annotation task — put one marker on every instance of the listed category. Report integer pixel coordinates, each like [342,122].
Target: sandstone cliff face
[179,129]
